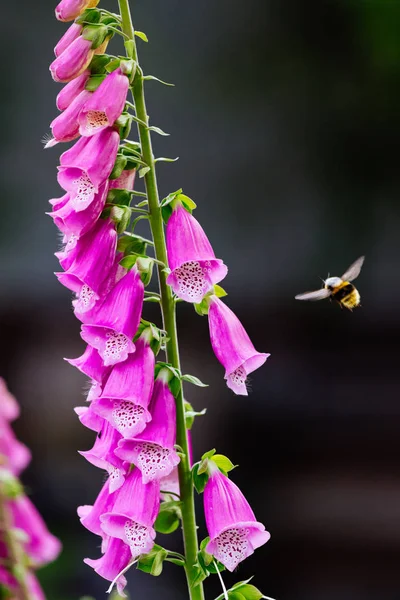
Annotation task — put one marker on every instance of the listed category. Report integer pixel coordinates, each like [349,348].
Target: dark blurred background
[286,119]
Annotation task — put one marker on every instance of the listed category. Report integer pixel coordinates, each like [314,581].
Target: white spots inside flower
[86,297]
[238,376]
[116,345]
[127,415]
[71,243]
[137,537]
[84,189]
[232,547]
[192,281]
[114,473]
[152,460]
[95,119]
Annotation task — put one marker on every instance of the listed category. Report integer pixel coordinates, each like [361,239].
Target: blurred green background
[286,119]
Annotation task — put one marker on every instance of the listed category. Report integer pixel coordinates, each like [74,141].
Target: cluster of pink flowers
[33,545]
[130,404]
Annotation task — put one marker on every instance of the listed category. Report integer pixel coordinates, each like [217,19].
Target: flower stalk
[168,306]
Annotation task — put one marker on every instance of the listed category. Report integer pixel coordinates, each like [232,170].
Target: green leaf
[219,291]
[119,166]
[95,33]
[128,261]
[199,480]
[93,82]
[191,414]
[143,171]
[142,36]
[152,78]
[153,561]
[113,65]
[90,15]
[236,596]
[132,244]
[168,199]
[118,196]
[201,574]
[223,463]
[243,591]
[164,159]
[168,519]
[157,130]
[166,212]
[187,202]
[209,454]
[98,63]
[202,308]
[194,380]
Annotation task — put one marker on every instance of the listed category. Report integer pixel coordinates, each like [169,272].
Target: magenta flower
[127,392]
[111,324]
[116,557]
[88,164]
[232,346]
[9,408]
[73,61]
[71,90]
[41,546]
[88,264]
[68,10]
[132,522]
[65,127]
[90,515]
[91,365]
[105,105]
[102,455]
[153,450]
[190,257]
[73,218]
[15,456]
[89,418]
[73,32]
[125,181]
[170,483]
[232,527]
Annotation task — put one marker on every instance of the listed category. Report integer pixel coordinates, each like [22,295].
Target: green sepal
[145,266]
[119,196]
[208,560]
[119,166]
[158,130]
[153,561]
[10,486]
[152,331]
[165,159]
[191,414]
[96,34]
[128,67]
[219,291]
[243,590]
[93,82]
[113,64]
[132,244]
[98,63]
[142,36]
[199,480]
[174,382]
[168,519]
[202,308]
[143,171]
[152,78]
[121,216]
[124,123]
[194,380]
[128,262]
[201,575]
[90,15]
[224,464]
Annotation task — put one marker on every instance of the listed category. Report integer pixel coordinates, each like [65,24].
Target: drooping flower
[87,165]
[106,104]
[132,522]
[111,324]
[233,529]
[68,10]
[91,365]
[71,90]
[90,515]
[73,61]
[89,262]
[89,418]
[73,32]
[125,181]
[194,268]
[232,346]
[14,455]
[116,557]
[65,127]
[127,392]
[153,450]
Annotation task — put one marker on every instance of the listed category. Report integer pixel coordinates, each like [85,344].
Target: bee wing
[317,295]
[354,270]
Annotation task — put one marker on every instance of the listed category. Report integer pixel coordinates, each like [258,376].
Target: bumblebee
[339,288]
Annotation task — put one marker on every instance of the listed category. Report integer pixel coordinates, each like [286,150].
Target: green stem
[167,307]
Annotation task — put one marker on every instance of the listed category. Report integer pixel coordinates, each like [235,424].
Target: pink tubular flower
[15,456]
[89,418]
[71,90]
[232,526]
[105,105]
[9,408]
[73,61]
[116,557]
[132,522]
[41,546]
[65,127]
[127,392]
[89,263]
[90,515]
[69,36]
[90,364]
[190,257]
[125,181]
[111,324]
[102,455]
[88,164]
[73,219]
[153,451]
[68,10]
[232,346]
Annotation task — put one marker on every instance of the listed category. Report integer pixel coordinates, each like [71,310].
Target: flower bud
[69,36]
[68,10]
[72,90]
[73,61]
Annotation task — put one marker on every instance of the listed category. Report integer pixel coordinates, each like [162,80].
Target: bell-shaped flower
[194,268]
[73,219]
[127,392]
[232,346]
[87,165]
[15,456]
[102,455]
[40,545]
[89,263]
[112,323]
[125,181]
[132,521]
[153,450]
[73,61]
[106,104]
[73,32]
[65,127]
[90,515]
[90,364]
[68,10]
[71,90]
[232,527]
[116,557]
[89,418]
